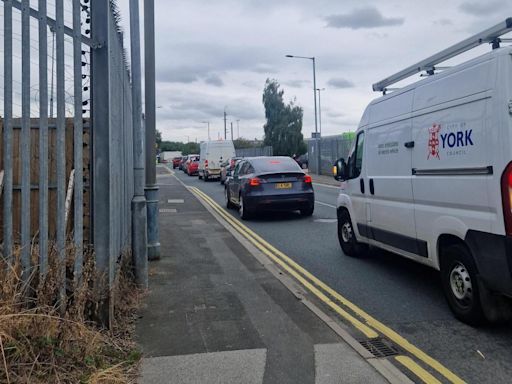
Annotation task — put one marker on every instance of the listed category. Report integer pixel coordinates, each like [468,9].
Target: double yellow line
[361,320]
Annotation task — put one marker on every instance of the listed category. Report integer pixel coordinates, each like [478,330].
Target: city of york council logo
[433,141]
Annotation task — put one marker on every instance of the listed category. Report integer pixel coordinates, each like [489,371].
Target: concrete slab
[233,367]
[340,364]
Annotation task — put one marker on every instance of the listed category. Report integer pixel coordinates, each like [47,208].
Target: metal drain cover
[380,347]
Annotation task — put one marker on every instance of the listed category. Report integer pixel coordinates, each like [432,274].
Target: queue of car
[254,184]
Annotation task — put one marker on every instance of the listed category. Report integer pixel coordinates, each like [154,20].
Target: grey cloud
[340,83]
[369,17]
[296,83]
[443,22]
[214,79]
[264,68]
[477,8]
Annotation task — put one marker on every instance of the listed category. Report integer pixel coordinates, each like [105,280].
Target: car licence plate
[283,185]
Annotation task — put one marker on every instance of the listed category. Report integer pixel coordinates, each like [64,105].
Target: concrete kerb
[385,368]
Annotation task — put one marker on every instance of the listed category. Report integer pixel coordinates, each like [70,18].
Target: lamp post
[319,90]
[317,139]
[207,122]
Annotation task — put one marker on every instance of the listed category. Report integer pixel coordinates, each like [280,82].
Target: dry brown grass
[45,339]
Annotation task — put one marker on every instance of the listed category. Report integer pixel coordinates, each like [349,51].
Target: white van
[212,155]
[430,178]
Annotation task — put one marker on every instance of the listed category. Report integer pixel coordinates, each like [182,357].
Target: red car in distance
[176,162]
[192,165]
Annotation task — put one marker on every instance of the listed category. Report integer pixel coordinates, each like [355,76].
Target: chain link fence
[254,152]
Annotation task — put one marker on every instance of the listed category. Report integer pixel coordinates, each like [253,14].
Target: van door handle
[361,183]
[409,144]
[372,189]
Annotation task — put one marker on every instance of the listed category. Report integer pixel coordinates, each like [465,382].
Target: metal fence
[254,152]
[331,149]
[93,101]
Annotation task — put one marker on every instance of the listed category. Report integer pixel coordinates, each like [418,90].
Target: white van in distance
[212,154]
[430,176]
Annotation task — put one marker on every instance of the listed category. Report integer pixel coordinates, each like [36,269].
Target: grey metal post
[25,138]
[238,128]
[78,139]
[7,150]
[139,214]
[231,131]
[100,137]
[43,138]
[149,79]
[61,136]
[225,128]
[317,139]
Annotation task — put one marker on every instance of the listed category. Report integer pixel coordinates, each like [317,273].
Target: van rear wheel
[347,238]
[460,284]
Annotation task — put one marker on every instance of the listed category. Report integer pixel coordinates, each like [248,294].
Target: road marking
[409,363]
[167,210]
[327,205]
[367,331]
[329,221]
[175,201]
[281,259]
[327,185]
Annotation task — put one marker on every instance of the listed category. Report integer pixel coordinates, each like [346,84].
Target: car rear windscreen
[275,164]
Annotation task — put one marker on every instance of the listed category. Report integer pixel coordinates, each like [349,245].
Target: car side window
[244,169]
[237,168]
[356,159]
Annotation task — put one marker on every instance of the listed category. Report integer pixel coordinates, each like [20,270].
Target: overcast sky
[213,55]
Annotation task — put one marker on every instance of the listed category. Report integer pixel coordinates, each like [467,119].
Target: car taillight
[254,182]
[308,179]
[206,163]
[506,196]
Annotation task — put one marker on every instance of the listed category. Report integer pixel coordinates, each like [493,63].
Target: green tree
[283,129]
[190,148]
[158,138]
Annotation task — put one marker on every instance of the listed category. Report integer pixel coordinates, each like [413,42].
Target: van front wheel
[347,238]
[460,284]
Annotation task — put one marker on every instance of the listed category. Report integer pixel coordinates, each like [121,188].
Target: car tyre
[461,286]
[307,211]
[346,236]
[227,196]
[244,213]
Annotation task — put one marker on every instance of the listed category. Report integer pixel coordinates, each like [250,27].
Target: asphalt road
[403,295]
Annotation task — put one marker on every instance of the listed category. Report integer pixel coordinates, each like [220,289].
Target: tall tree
[283,129]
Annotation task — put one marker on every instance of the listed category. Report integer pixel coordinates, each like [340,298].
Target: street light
[317,139]
[207,122]
[320,109]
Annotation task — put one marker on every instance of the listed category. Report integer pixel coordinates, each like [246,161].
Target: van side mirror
[339,170]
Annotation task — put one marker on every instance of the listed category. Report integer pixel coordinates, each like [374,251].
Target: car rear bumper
[289,202]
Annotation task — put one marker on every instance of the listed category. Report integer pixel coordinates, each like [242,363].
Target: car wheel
[347,238]
[227,196]
[460,285]
[242,209]
[307,211]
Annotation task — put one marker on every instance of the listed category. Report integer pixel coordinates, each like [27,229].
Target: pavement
[216,314]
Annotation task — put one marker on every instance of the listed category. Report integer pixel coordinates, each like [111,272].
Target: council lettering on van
[453,138]
[388,148]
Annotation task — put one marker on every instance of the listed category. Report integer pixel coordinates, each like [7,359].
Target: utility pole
[320,109]
[238,128]
[225,128]
[231,131]
[52,30]
[150,94]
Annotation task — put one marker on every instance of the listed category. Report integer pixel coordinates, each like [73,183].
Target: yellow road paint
[368,332]
[408,363]
[370,321]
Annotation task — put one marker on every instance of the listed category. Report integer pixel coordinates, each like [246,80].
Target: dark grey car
[269,183]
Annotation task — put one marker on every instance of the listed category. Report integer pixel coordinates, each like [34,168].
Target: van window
[356,160]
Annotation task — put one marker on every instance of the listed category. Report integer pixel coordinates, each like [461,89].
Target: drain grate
[379,347]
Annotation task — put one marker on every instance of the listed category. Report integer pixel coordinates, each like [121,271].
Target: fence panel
[254,152]
[331,149]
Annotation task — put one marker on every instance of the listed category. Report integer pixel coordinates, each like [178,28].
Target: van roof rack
[490,35]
